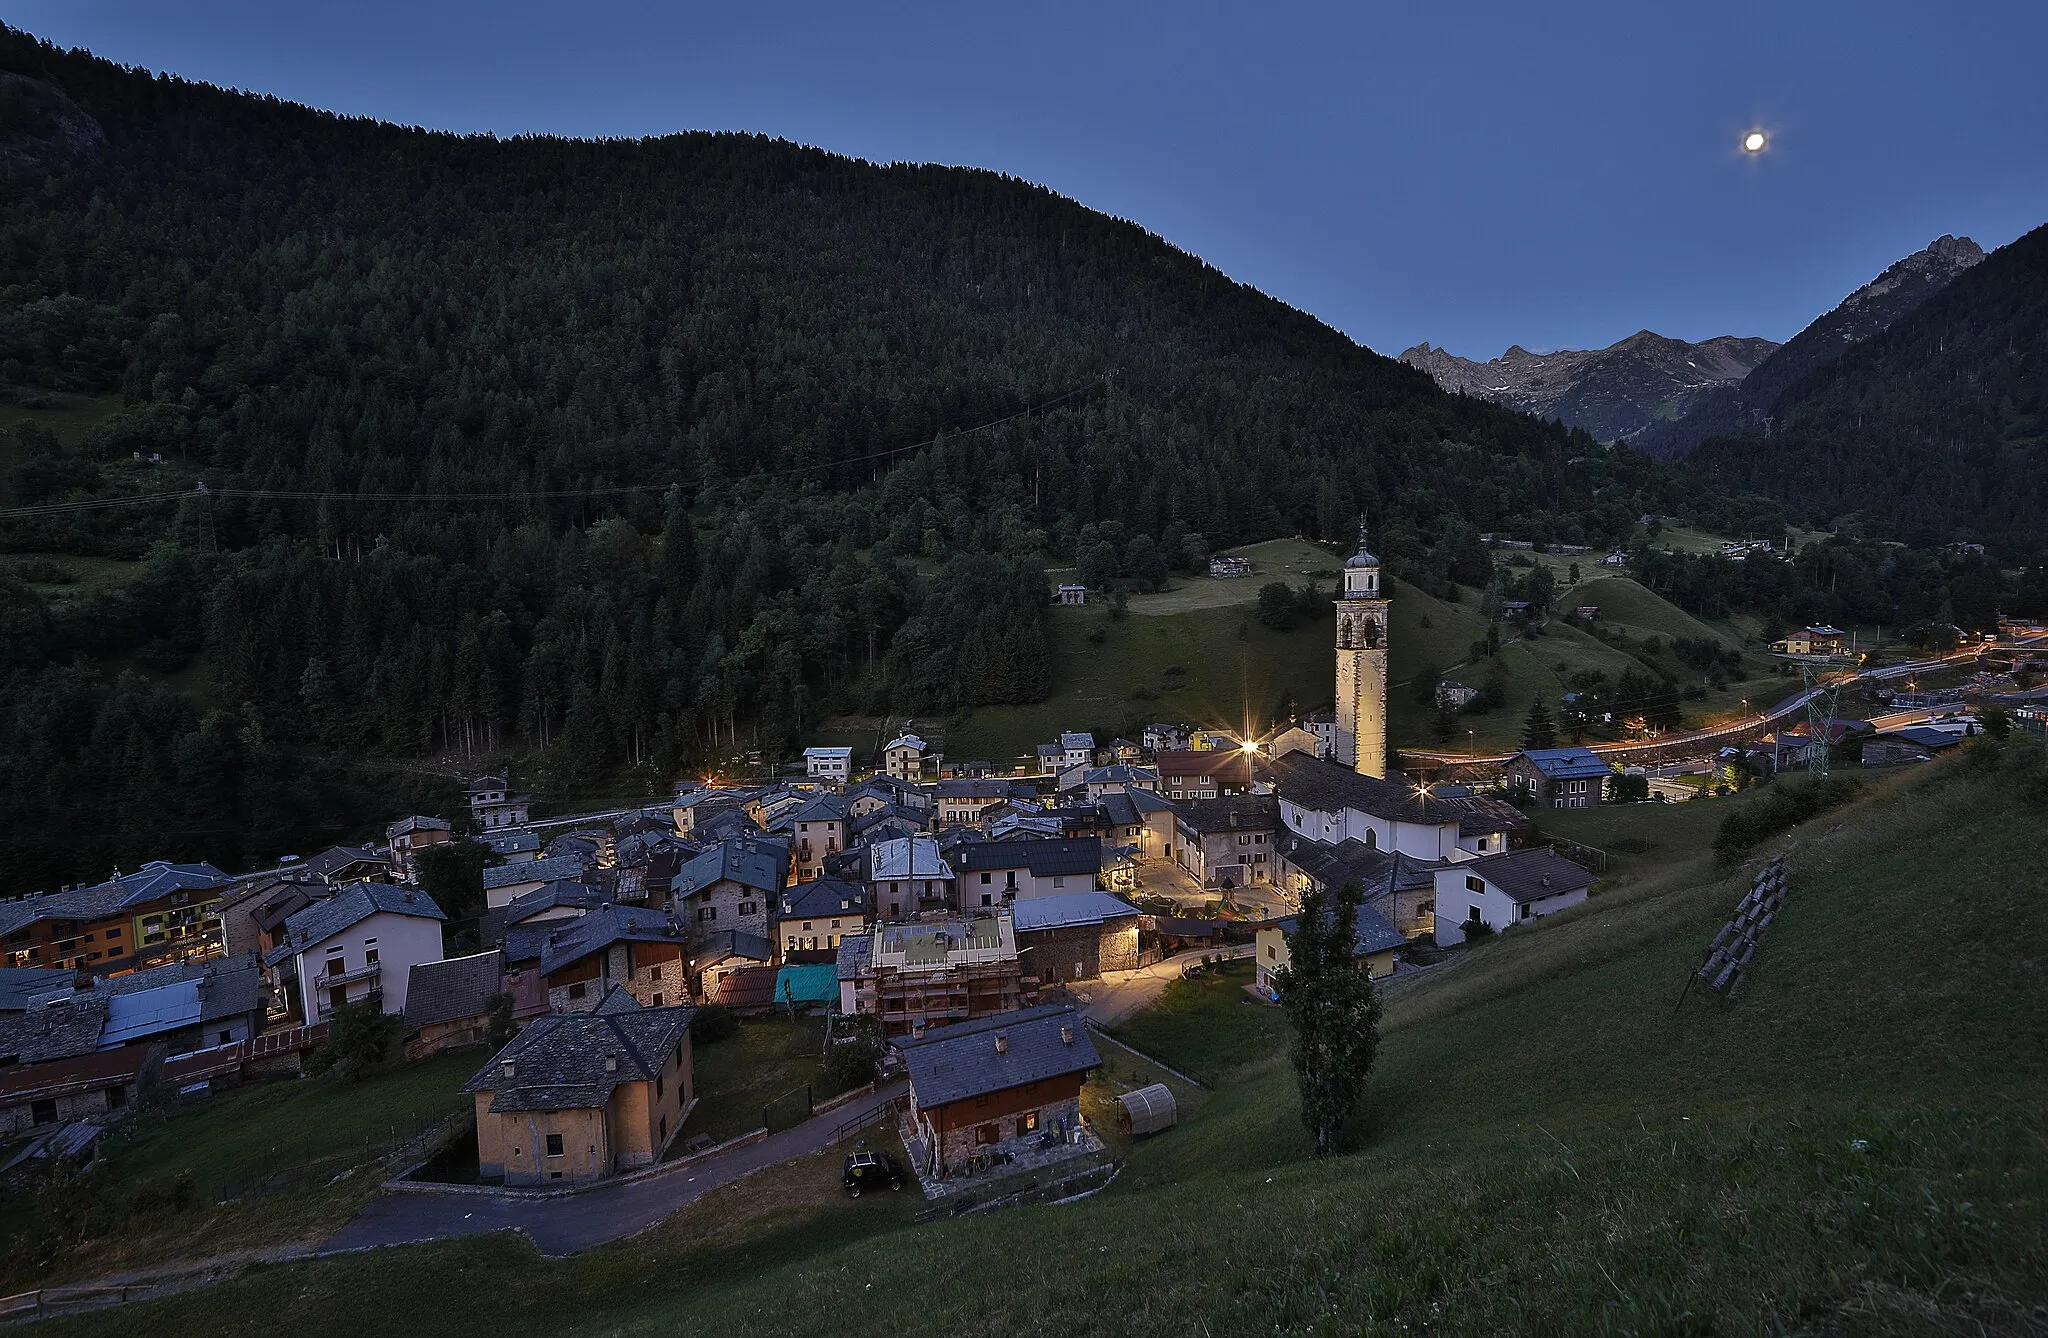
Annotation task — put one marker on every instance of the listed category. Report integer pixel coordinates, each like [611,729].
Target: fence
[67,1300]
[873,1114]
[1590,859]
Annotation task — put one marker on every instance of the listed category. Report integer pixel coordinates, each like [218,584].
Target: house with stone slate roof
[580,1096]
[995,1083]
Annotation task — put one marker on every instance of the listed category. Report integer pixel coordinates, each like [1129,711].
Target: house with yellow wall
[580,1096]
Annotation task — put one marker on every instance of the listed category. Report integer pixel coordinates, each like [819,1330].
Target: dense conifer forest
[1935,430]
[616,455]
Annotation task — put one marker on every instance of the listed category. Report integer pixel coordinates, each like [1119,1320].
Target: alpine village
[690,735]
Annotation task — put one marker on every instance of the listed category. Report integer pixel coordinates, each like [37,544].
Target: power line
[532,495]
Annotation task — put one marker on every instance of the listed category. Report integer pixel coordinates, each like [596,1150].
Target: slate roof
[1925,737]
[54,1031]
[1077,739]
[825,808]
[547,870]
[713,948]
[906,857]
[1045,859]
[1565,763]
[594,931]
[1530,875]
[336,858]
[160,878]
[580,896]
[82,903]
[1240,813]
[822,898]
[415,823]
[1120,774]
[973,788]
[958,1062]
[559,1061]
[511,843]
[1378,872]
[1328,788]
[855,952]
[905,741]
[19,984]
[448,991]
[757,864]
[1370,932]
[828,752]
[1033,914]
[1480,814]
[351,906]
[1206,762]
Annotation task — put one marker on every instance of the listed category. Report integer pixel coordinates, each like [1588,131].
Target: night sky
[1473,174]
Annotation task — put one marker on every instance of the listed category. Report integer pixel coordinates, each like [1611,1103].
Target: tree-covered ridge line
[1935,429]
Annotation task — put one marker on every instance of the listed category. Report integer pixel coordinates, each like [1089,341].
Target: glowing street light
[1756,141]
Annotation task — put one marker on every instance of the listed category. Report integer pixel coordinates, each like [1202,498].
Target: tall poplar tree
[1329,998]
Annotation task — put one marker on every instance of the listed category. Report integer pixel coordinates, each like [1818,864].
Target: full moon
[1754,141]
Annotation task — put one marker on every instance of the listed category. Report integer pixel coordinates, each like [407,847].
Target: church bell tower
[1362,665]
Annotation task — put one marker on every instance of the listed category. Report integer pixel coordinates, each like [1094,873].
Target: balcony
[335,979]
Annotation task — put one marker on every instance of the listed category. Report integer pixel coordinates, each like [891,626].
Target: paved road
[572,1222]
[1790,706]
[1119,994]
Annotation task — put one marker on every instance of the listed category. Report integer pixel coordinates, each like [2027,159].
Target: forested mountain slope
[1937,428]
[1864,314]
[694,379]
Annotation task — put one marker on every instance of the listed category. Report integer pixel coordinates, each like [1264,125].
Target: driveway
[1118,994]
[570,1222]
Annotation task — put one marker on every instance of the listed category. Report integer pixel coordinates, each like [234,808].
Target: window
[226,1037]
[657,1081]
[554,1145]
[45,1112]
[369,956]
[657,1077]
[1522,913]
[576,991]
[985,1135]
[985,878]
[1058,881]
[747,907]
[707,913]
[1473,882]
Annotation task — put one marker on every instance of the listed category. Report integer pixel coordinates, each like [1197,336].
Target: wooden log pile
[1729,955]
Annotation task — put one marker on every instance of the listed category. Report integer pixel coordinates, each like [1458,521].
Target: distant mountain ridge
[1864,314]
[1615,393]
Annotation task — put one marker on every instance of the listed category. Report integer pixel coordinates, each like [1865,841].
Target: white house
[829,764]
[1501,891]
[1077,750]
[903,759]
[994,872]
[1332,804]
[360,943]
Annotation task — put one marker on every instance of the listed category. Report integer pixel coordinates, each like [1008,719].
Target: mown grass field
[281,1127]
[1551,1144]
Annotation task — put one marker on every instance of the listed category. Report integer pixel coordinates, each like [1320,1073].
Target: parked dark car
[871,1170]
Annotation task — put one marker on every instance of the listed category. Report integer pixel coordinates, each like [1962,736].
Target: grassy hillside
[1851,1145]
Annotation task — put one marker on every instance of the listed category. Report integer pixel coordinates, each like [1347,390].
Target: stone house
[577,1097]
[732,885]
[996,1082]
[1077,936]
[812,918]
[903,758]
[1228,842]
[631,947]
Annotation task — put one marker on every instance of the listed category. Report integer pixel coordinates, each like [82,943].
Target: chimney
[1002,1044]
[1067,1034]
[505,1070]
[406,896]
[917,1030]
[611,1063]
[1546,880]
